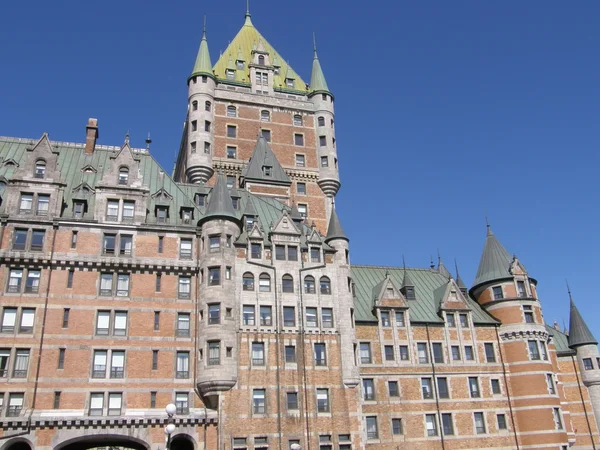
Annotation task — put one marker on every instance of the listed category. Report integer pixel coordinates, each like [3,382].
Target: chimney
[91,134]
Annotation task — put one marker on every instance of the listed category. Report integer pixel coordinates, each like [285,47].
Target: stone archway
[102,440]
[17,444]
[182,442]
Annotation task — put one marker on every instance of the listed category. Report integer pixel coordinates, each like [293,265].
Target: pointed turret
[264,167]
[219,203]
[317,79]
[459,282]
[408,286]
[579,333]
[442,268]
[495,261]
[335,230]
[203,65]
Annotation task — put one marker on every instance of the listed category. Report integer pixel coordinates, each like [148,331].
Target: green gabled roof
[243,43]
[203,65]
[263,156]
[443,270]
[423,309]
[317,79]
[561,341]
[579,333]
[335,230]
[219,202]
[495,261]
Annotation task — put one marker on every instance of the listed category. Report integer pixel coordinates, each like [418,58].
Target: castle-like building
[227,289]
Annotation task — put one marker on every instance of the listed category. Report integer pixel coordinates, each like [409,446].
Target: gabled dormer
[449,297]
[40,163]
[408,286]
[124,170]
[285,226]
[263,170]
[387,295]
[162,205]
[81,196]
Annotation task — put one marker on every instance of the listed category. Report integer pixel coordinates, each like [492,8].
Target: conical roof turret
[442,268]
[495,261]
[579,333]
[203,65]
[335,230]
[317,78]
[219,202]
[264,166]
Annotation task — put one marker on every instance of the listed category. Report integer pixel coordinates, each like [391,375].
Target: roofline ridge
[73,144]
[392,267]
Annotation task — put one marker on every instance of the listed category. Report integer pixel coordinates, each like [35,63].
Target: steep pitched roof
[579,333]
[335,230]
[263,156]
[247,39]
[317,78]
[203,65]
[495,261]
[219,202]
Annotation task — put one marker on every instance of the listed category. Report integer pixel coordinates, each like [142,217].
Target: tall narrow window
[96,404]
[557,418]
[114,404]
[15,404]
[422,353]
[183,365]
[258,354]
[70,276]
[266,316]
[184,287]
[371,423]
[27,317]
[248,315]
[474,387]
[56,404]
[15,279]
[431,425]
[21,364]
[368,389]
[182,403]
[528,313]
[99,368]
[128,211]
[490,354]
[447,425]
[65,321]
[289,316]
[320,354]
[479,423]
[4,360]
[365,353]
[117,364]
[40,169]
[258,401]
[183,324]
[37,240]
[120,328]
[534,352]
[311,317]
[61,358]
[264,283]
[323,400]
[123,176]
[26,204]
[214,353]
[426,388]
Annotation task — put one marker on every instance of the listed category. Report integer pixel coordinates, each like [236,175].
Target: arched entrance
[182,442]
[17,444]
[103,440]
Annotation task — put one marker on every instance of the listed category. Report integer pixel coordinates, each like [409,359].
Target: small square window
[322,141]
[231,152]
[324,161]
[299,139]
[300,161]
[231,131]
[266,134]
[498,293]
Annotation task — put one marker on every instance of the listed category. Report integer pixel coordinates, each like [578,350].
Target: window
[78,209]
[325,284]
[265,115]
[324,161]
[264,283]
[32,283]
[409,292]
[474,387]
[9,319]
[528,313]
[266,316]
[258,354]
[26,204]
[154,359]
[43,204]
[195,105]
[321,121]
[70,275]
[422,353]
[231,131]
[501,419]
[182,403]
[496,386]
[231,152]
[393,389]
[109,244]
[292,400]
[214,276]
[21,363]
[231,111]
[287,283]
[320,354]
[469,353]
[117,364]
[230,181]
[19,239]
[157,282]
[490,354]
[404,355]
[301,188]
[183,324]
[327,317]
[447,425]
[266,134]
[103,323]
[40,169]
[114,404]
[96,404]
[302,210]
[322,141]
[550,382]
[65,321]
[124,174]
[389,352]
[239,443]
[371,424]
[431,425]
[15,404]
[280,252]
[289,316]
[323,400]
[183,363]
[289,82]
[125,245]
[37,241]
[4,360]
[368,389]
[290,354]
[442,385]
[27,316]
[400,319]
[365,353]
[300,160]
[587,364]
[193,147]
[450,320]
[438,352]
[385,318]
[128,211]
[120,328]
[455,349]
[207,147]
[214,313]
[479,423]
[534,352]
[248,315]
[426,388]
[255,250]
[309,284]
[56,403]
[258,401]
[557,418]
[497,290]
[521,289]
[230,74]
[207,125]
[99,367]
[299,139]
[543,350]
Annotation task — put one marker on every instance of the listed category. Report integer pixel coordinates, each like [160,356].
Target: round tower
[322,99]
[583,342]
[200,120]
[217,333]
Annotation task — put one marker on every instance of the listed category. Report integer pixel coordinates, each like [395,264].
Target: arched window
[261,60]
[248,282]
[123,175]
[287,283]
[264,283]
[321,121]
[40,168]
[231,111]
[297,120]
[265,115]
[309,284]
[207,106]
[325,284]
[195,105]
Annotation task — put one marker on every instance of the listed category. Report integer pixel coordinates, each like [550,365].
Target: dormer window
[78,209]
[276,70]
[289,82]
[186,215]
[239,65]
[262,78]
[249,223]
[230,181]
[235,203]
[200,199]
[265,115]
[267,171]
[162,214]
[123,176]
[40,169]
[230,74]
[261,60]
[409,292]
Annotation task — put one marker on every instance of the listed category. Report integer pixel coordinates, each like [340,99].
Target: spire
[495,260]
[250,211]
[335,230]
[406,280]
[264,166]
[247,20]
[203,65]
[579,333]
[459,281]
[317,79]
[219,203]
[442,268]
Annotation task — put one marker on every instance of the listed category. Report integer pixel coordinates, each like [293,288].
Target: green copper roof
[203,65]
[579,333]
[423,309]
[495,261]
[443,270]
[242,45]
[561,341]
[264,166]
[317,79]
[219,202]
[335,230]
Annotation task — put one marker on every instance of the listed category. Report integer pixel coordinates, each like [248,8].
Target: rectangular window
[385,319]
[96,404]
[266,134]
[4,359]
[27,318]
[161,244]
[528,313]
[479,423]
[280,252]
[128,211]
[290,354]
[496,386]
[114,403]
[258,354]
[231,131]
[557,418]
[450,320]
[183,364]
[397,427]
[152,399]
[109,244]
[365,353]
[501,419]
[99,368]
[117,364]
[70,276]
[289,316]
[550,382]
[327,317]
[498,292]
[258,401]
[426,388]
[300,161]
[389,352]
[323,400]
[371,422]
[543,351]
[455,349]
[400,319]
[156,320]
[320,354]
[56,404]
[214,276]
[469,356]
[183,324]
[324,161]
[368,389]
[431,425]
[587,364]
[292,401]
[404,355]
[490,354]
[301,188]
[214,353]
[182,403]
[255,251]
[154,359]
[315,254]
[157,282]
[184,288]
[311,317]
[534,352]
[302,210]
[214,314]
[78,209]
[393,389]
[464,320]
[266,316]
[65,321]
[74,239]
[122,285]
[185,249]
[61,358]
[474,387]
[26,205]
[43,204]
[103,323]
[206,126]
[231,152]
[125,245]
[422,353]
[120,323]
[248,315]
[438,352]
[9,320]
[322,141]
[37,240]
[447,425]
[299,139]
[521,289]
[21,364]
[20,240]
[32,283]
[442,385]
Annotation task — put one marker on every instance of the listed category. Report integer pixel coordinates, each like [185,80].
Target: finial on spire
[148,142]
[315,43]
[456,268]
[569,290]
[247,16]
[127,137]
[403,262]
[431,264]
[204,29]
[488,226]
[439,257]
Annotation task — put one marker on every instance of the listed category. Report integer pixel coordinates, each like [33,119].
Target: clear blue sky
[446,112]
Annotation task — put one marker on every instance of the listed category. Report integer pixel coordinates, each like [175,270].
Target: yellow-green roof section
[248,39]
